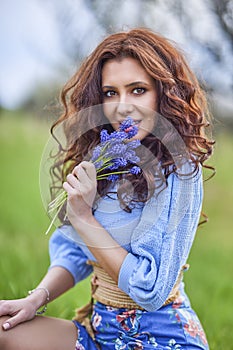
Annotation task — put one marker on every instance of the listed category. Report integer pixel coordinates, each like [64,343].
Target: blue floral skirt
[174,326]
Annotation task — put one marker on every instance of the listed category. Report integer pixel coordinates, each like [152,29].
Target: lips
[135,123]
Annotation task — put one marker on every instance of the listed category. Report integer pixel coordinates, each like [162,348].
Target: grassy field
[23,221]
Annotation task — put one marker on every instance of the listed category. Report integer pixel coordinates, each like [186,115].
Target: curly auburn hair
[181,102]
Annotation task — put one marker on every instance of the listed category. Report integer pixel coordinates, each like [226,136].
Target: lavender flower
[135,143]
[135,170]
[132,131]
[118,149]
[118,136]
[104,136]
[99,164]
[113,177]
[126,124]
[129,127]
[131,157]
[118,163]
[114,153]
[96,153]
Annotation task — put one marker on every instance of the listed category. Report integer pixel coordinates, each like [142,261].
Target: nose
[124,109]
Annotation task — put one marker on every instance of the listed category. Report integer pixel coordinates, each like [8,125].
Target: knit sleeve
[161,243]
[67,254]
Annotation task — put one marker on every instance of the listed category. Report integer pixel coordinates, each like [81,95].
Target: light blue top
[157,236]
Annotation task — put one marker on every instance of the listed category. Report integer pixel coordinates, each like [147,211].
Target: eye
[139,91]
[109,93]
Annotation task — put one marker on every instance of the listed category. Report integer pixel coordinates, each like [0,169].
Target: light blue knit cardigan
[158,238]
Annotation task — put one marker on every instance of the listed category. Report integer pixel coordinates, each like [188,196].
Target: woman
[137,244]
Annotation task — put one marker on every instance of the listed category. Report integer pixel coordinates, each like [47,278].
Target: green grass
[209,281]
[23,221]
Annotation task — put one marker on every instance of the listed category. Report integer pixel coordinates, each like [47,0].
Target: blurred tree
[203,28]
[224,10]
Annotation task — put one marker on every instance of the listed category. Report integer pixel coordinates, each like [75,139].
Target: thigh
[45,333]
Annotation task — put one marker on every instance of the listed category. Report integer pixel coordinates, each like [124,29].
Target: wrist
[84,219]
[39,297]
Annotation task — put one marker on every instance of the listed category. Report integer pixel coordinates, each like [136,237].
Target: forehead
[126,70]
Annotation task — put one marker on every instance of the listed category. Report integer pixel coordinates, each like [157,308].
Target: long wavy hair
[181,102]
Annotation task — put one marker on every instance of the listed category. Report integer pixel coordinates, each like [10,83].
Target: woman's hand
[81,188]
[19,310]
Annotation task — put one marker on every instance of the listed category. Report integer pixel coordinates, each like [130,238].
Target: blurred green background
[38,54]
[23,248]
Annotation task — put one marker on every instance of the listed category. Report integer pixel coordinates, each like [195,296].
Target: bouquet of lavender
[114,153]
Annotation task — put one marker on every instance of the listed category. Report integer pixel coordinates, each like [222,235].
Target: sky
[30,50]
[37,38]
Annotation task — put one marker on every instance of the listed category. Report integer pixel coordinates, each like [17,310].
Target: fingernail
[6,326]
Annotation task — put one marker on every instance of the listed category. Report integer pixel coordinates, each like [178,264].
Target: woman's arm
[161,242]
[81,188]
[21,310]
[105,249]
[52,282]
[68,267]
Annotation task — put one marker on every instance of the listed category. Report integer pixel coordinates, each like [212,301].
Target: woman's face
[128,90]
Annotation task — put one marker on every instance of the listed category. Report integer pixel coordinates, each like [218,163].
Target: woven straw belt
[106,291]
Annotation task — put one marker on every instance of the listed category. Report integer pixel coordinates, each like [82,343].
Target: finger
[78,191]
[90,169]
[70,190]
[81,174]
[87,169]
[72,180]
[6,325]
[6,307]
[15,320]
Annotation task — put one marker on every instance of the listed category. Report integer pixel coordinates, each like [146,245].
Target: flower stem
[52,222]
[101,177]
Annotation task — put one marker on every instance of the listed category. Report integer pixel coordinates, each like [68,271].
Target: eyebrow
[135,83]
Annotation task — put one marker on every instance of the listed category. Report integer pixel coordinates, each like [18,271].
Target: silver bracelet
[47,299]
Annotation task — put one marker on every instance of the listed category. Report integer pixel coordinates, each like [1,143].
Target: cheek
[152,103]
[149,101]
[108,110]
